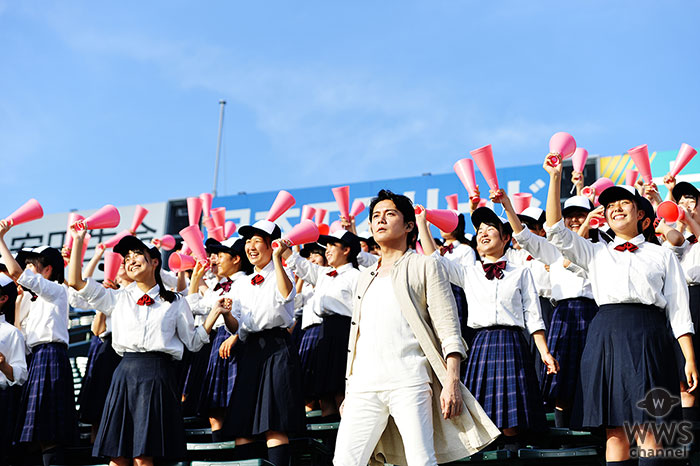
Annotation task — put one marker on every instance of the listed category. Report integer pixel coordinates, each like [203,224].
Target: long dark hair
[163,292]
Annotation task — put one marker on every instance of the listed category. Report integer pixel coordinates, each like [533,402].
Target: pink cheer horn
[113,261]
[194,209]
[304,232]
[206,203]
[139,215]
[342,198]
[166,242]
[670,212]
[452,201]
[320,216]
[72,218]
[482,203]
[445,220]
[217,233]
[357,207]
[561,147]
[30,210]
[419,248]
[86,241]
[685,154]
[483,157]
[209,223]
[324,229]
[219,216]
[179,262]
[579,159]
[116,238]
[105,217]
[521,201]
[307,212]
[600,185]
[631,177]
[229,228]
[640,157]
[335,226]
[465,171]
[283,202]
[185,249]
[193,237]
[596,222]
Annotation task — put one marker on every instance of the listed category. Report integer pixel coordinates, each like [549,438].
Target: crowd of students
[423,358]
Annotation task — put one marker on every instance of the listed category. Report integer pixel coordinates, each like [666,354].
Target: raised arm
[426,239]
[75,274]
[92,265]
[13,268]
[284,284]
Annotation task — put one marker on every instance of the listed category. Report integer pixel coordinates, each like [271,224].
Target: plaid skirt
[566,340]
[308,353]
[9,399]
[47,405]
[501,376]
[220,376]
[98,378]
[143,415]
[694,292]
[626,355]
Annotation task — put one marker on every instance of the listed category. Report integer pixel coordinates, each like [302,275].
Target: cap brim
[131,243]
[484,215]
[248,231]
[684,188]
[616,193]
[531,219]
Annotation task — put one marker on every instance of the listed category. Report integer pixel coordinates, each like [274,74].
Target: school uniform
[464,255]
[639,287]
[500,370]
[268,394]
[574,310]
[13,347]
[332,303]
[47,404]
[143,415]
[309,325]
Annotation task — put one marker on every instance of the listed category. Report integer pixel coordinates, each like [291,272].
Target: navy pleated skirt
[194,373]
[97,380]
[9,401]
[501,376]
[267,395]
[332,356]
[220,376]
[308,354]
[566,340]
[628,352]
[47,405]
[694,292]
[143,415]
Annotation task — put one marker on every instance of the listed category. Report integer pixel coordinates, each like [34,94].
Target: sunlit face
[388,223]
[259,252]
[227,264]
[363,246]
[489,241]
[317,259]
[213,263]
[689,202]
[622,214]
[575,219]
[139,267]
[337,254]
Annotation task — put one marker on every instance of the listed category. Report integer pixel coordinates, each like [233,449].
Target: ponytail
[164,293]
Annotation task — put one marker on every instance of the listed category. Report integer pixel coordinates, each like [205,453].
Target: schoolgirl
[220,375]
[639,287]
[142,419]
[13,366]
[502,301]
[47,416]
[267,400]
[334,288]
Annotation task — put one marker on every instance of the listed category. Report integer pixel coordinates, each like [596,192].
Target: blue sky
[117,102]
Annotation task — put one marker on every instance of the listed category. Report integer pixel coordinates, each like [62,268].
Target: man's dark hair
[405,206]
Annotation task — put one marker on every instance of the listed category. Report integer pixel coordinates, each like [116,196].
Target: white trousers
[365,416]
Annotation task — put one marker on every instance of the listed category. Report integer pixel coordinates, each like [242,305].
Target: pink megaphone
[342,198]
[483,203]
[357,207]
[465,171]
[209,223]
[283,202]
[86,241]
[445,220]
[185,249]
[670,212]
[206,203]
[483,157]
[30,210]
[113,261]
[579,159]
[600,185]
[521,201]
[217,233]
[335,226]
[685,154]
[631,177]
[194,209]
[324,229]
[72,218]
[105,217]
[167,242]
[193,237]
[219,216]
[561,146]
[640,157]
[307,212]
[116,238]
[139,215]
[596,222]
[452,201]
[229,228]
[419,248]
[320,216]
[179,262]
[305,232]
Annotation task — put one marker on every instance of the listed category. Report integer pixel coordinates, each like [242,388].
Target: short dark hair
[503,229]
[57,273]
[404,205]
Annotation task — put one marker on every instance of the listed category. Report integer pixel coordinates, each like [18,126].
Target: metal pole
[218,146]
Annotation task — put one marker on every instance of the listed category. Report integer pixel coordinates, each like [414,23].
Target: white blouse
[651,275]
[13,348]
[202,304]
[538,268]
[44,320]
[163,327]
[461,253]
